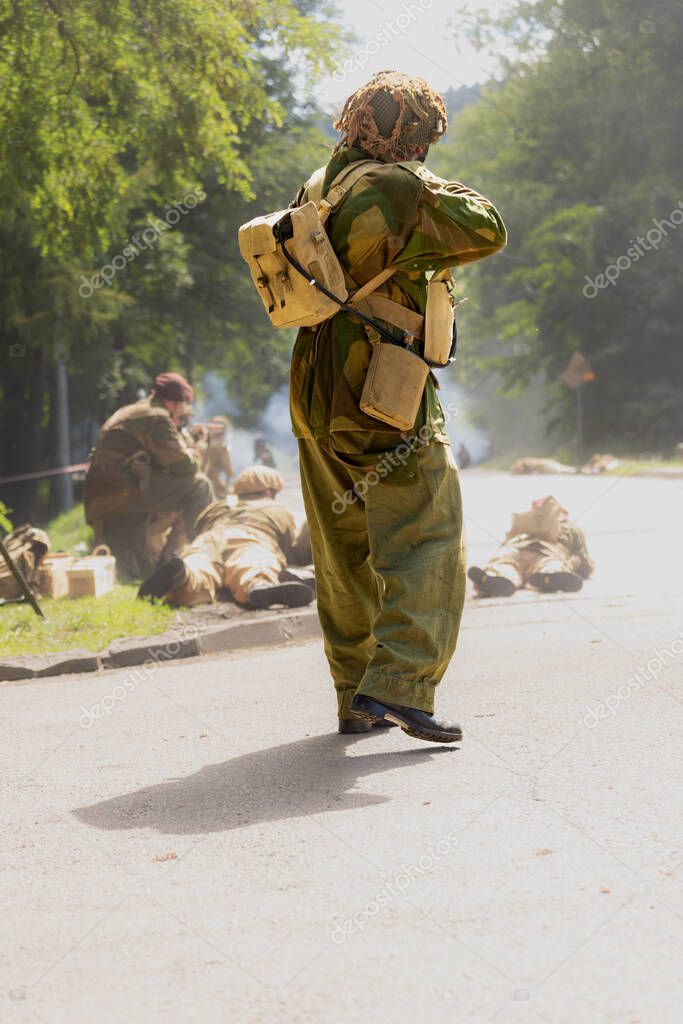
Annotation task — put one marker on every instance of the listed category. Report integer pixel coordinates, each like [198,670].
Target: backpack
[272,245]
[302,283]
[27,547]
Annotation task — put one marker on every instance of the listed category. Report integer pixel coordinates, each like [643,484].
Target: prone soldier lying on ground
[141,468]
[542,550]
[530,464]
[244,548]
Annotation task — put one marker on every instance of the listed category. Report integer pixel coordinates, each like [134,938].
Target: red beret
[173,387]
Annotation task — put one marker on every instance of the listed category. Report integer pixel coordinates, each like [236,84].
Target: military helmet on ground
[392,116]
[258,480]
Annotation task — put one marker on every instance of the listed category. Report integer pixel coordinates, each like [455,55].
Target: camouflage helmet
[392,116]
[258,480]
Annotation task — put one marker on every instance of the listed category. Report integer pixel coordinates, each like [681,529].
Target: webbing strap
[372,285]
[342,185]
[362,298]
[395,314]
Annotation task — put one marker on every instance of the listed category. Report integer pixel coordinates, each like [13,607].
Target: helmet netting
[392,116]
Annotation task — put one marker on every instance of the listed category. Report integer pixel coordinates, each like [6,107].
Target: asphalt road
[209,850]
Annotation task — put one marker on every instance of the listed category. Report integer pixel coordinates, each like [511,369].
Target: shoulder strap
[403,318]
[314,185]
[372,285]
[342,185]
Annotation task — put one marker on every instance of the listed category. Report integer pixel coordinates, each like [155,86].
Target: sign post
[578,372]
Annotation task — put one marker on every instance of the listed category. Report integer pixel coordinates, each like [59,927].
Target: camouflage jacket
[570,547]
[146,427]
[397,214]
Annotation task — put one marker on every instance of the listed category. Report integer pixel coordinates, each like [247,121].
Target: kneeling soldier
[244,548]
[141,466]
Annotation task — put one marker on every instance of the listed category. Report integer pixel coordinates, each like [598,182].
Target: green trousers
[386,532]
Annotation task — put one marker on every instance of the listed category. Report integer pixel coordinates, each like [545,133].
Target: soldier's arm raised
[455,225]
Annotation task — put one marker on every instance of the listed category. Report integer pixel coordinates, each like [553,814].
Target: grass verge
[88,622]
[70,532]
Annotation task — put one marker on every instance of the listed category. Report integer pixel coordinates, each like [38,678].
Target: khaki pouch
[439,319]
[394,385]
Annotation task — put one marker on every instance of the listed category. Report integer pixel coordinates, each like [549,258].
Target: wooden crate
[94,575]
[52,579]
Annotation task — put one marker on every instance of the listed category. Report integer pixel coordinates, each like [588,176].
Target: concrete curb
[33,666]
[189,641]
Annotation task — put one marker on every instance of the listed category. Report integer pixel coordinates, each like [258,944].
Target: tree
[578,146]
[114,112]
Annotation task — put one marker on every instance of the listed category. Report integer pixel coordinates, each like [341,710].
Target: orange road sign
[579,371]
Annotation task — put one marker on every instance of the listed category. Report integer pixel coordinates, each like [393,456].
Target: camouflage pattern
[403,215]
[385,513]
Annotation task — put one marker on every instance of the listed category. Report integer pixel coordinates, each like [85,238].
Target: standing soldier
[140,466]
[263,454]
[390,567]
[213,446]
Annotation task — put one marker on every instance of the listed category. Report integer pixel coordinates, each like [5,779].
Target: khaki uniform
[216,464]
[523,556]
[237,548]
[140,467]
[390,570]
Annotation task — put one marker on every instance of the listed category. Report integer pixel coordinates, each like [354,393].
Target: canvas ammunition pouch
[394,385]
[440,331]
[27,547]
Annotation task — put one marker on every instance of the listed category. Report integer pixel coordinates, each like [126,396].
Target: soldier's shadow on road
[288,781]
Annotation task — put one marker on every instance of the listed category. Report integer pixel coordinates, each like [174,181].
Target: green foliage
[579,148]
[90,623]
[109,102]
[113,111]
[5,523]
[70,532]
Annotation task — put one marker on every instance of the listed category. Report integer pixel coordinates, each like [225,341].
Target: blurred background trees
[580,148]
[113,111]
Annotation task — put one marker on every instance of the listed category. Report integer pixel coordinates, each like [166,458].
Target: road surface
[210,850]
